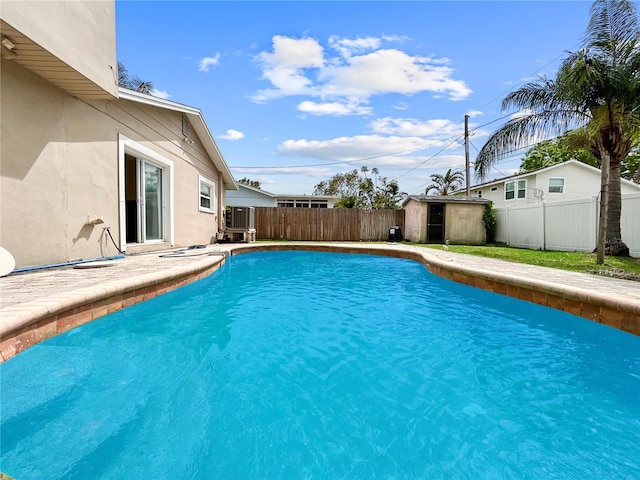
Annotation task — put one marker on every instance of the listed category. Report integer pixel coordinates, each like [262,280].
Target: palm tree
[598,89]
[135,83]
[445,184]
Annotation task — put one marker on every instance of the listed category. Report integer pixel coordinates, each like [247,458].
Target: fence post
[544,225]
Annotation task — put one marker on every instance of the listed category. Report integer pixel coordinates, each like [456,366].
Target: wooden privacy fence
[325,224]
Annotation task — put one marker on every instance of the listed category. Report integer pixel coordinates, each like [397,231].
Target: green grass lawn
[622,267]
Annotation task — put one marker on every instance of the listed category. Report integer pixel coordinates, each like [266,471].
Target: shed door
[435,223]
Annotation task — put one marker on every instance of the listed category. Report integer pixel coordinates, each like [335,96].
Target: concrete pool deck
[39,304]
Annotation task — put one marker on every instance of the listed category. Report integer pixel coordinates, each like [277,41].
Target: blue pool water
[325,366]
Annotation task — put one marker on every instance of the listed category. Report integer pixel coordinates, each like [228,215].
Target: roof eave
[199,124]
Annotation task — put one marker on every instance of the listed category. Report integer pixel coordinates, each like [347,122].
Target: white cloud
[522,113]
[160,93]
[207,62]
[436,128]
[348,47]
[359,147]
[393,71]
[232,135]
[284,68]
[301,67]
[321,172]
[337,109]
[474,113]
[395,38]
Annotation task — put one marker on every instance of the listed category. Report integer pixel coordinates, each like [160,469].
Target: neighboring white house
[556,208]
[571,180]
[247,196]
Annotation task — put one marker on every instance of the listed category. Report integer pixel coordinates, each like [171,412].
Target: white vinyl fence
[565,226]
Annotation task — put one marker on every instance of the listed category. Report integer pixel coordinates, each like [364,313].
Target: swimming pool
[324,365]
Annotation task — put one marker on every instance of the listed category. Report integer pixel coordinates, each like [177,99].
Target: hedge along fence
[325,224]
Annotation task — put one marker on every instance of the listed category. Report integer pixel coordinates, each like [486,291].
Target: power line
[430,158]
[534,73]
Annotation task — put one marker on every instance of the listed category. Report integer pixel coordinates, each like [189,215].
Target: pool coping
[28,323]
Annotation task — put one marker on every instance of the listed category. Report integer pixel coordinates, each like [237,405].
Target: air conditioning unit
[242,217]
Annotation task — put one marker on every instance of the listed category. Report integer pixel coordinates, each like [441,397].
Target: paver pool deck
[39,304]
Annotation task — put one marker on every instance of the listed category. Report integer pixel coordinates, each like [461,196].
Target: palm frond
[523,131]
[613,26]
[539,95]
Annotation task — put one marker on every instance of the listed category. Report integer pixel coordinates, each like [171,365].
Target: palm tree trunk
[615,203]
[614,244]
[604,206]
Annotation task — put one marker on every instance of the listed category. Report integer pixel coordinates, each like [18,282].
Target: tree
[445,184]
[125,80]
[357,190]
[249,182]
[596,88]
[551,152]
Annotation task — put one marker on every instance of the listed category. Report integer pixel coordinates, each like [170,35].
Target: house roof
[574,162]
[287,195]
[42,62]
[445,199]
[197,122]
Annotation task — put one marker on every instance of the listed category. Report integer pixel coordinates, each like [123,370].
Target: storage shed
[436,219]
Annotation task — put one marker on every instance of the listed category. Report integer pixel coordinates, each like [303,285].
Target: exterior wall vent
[185,127]
[242,217]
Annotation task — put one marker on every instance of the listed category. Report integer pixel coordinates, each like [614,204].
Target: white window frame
[211,184]
[516,189]
[555,186]
[135,149]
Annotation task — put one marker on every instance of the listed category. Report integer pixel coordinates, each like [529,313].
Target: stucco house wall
[77,38]
[68,159]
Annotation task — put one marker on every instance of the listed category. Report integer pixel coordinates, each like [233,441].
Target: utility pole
[466,152]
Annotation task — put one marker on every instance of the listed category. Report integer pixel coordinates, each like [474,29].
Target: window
[207,202]
[511,189]
[556,185]
[494,189]
[479,193]
[303,203]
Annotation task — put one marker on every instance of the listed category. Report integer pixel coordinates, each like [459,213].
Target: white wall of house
[247,196]
[579,181]
[565,226]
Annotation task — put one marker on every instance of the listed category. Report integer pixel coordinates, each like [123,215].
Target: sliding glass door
[150,201]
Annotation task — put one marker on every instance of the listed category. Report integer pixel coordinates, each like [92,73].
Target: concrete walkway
[28,287]
[30,297]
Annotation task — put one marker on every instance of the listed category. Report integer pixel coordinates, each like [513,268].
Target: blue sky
[295,92]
